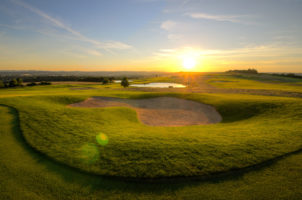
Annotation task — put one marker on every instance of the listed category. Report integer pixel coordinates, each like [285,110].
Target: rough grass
[254,129]
[26,174]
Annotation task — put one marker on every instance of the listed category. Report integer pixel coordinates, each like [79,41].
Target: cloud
[174,37]
[76,34]
[260,52]
[93,52]
[226,18]
[171,26]
[80,52]
[168,25]
[167,50]
[116,45]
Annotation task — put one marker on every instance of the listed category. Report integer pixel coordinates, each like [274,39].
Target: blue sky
[152,35]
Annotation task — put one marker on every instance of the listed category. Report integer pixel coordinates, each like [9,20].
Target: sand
[160,111]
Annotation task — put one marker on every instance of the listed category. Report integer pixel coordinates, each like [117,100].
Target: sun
[188,62]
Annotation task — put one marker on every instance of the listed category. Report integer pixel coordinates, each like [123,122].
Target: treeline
[61,78]
[244,71]
[11,83]
[45,80]
[18,82]
[290,75]
[41,83]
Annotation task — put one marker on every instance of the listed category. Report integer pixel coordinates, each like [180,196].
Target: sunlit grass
[136,150]
[264,82]
[112,141]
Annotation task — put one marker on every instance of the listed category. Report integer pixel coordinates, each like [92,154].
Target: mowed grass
[257,81]
[254,129]
[26,174]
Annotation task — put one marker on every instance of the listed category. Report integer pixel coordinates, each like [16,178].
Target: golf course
[223,136]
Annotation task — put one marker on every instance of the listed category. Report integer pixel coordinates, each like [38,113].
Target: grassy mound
[112,142]
[26,174]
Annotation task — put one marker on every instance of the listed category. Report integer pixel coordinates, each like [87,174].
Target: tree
[13,83]
[111,79]
[31,84]
[19,81]
[45,83]
[1,84]
[125,82]
[105,81]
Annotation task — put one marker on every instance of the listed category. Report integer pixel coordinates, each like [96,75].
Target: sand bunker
[160,111]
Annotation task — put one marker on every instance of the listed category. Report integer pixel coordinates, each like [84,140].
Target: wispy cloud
[93,52]
[80,52]
[268,51]
[168,25]
[75,33]
[175,36]
[225,18]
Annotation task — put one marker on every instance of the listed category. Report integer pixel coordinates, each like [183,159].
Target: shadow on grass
[234,112]
[102,183]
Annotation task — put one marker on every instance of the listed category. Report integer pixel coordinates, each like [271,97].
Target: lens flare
[89,153]
[102,139]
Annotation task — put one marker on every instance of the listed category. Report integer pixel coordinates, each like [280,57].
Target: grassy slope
[260,81]
[25,174]
[135,150]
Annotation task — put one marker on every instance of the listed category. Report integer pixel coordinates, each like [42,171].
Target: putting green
[112,141]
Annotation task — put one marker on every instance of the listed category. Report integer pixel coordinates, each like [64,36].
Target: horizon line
[146,71]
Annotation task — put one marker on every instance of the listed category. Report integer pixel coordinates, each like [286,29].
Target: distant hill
[291,75]
[77,73]
[96,76]
[245,71]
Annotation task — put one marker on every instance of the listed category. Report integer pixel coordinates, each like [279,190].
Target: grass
[60,157]
[260,81]
[26,174]
[154,79]
[135,150]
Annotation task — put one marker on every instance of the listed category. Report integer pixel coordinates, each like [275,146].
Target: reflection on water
[119,81]
[159,85]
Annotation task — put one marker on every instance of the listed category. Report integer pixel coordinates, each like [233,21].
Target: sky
[151,35]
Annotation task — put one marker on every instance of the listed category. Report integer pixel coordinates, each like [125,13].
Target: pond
[159,85]
[119,81]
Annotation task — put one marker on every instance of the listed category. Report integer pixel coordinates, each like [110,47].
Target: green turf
[258,81]
[26,174]
[254,129]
